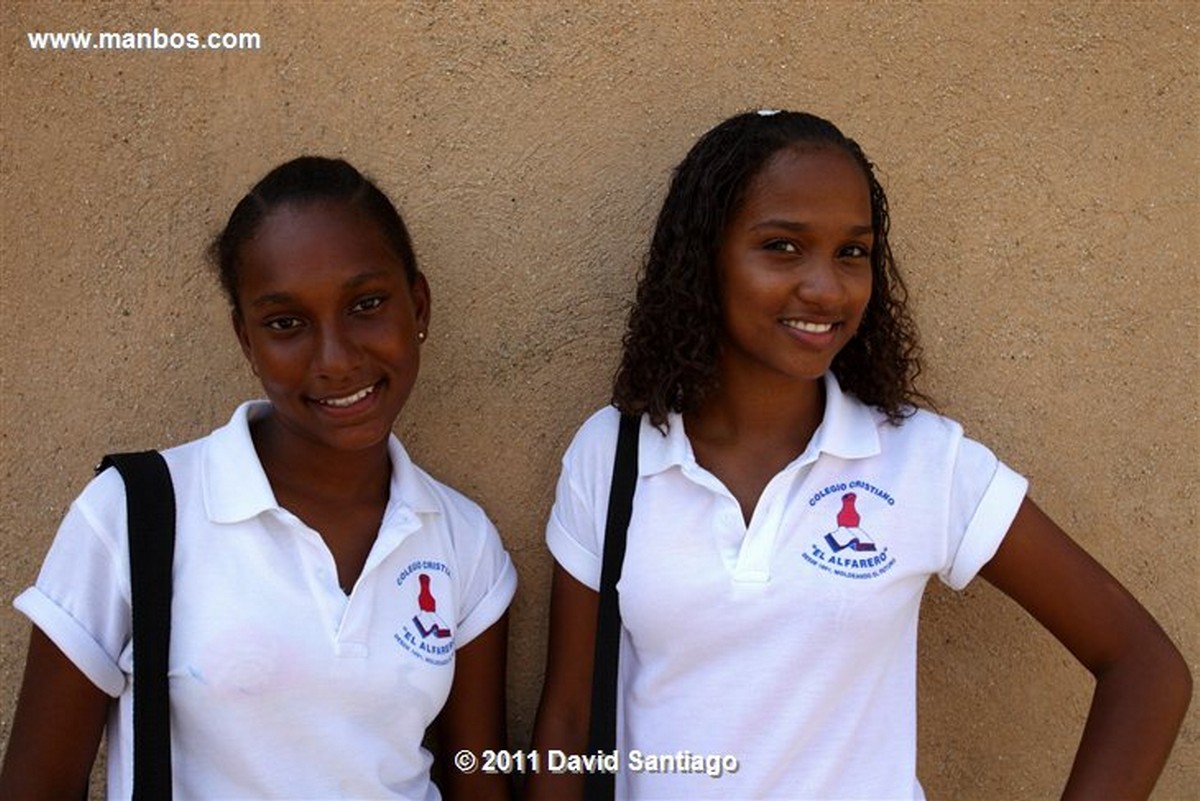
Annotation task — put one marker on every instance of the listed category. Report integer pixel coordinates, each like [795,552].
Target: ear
[419,290]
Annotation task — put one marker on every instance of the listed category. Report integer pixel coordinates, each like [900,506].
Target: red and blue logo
[426,620]
[848,551]
[425,632]
[848,535]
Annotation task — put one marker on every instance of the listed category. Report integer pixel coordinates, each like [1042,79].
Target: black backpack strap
[602,726]
[150,508]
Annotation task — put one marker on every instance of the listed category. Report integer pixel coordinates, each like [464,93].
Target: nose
[821,283]
[337,353]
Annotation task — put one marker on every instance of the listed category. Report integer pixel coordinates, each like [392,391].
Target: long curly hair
[670,348]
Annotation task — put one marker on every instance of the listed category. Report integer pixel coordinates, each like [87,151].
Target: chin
[369,435]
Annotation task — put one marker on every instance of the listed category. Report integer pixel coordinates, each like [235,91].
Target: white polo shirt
[789,644]
[281,686]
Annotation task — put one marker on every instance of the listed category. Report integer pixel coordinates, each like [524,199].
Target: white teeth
[349,399]
[811,328]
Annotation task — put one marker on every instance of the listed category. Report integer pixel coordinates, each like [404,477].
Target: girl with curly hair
[791,501]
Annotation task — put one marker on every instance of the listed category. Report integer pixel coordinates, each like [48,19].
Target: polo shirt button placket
[754,558]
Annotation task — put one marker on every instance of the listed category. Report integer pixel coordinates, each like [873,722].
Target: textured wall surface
[1041,161]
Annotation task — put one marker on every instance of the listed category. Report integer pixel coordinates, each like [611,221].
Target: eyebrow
[799,227]
[283,298]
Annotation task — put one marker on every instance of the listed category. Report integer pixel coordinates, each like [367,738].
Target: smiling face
[795,266]
[330,324]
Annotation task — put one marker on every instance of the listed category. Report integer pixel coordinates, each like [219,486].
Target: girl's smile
[350,401]
[811,334]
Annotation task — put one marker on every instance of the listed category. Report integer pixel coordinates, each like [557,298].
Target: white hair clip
[767,112]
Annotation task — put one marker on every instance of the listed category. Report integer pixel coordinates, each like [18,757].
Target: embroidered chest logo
[425,633]
[846,549]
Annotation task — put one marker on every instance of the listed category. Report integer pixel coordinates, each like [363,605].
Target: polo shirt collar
[236,487]
[234,484]
[410,485]
[848,431]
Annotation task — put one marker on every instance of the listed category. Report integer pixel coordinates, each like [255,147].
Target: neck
[746,409]
[296,466]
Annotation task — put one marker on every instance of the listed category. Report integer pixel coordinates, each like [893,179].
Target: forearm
[475,786]
[1142,683]
[56,730]
[474,718]
[562,731]
[565,708]
[1136,712]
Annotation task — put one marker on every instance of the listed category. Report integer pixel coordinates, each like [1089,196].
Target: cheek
[393,338]
[402,360]
[861,292]
[861,286]
[753,290]
[276,363]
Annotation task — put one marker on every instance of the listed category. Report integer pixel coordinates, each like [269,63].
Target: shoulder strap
[602,726]
[150,508]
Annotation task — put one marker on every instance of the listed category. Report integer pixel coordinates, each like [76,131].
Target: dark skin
[343,501]
[565,707]
[330,314]
[747,447]
[56,730]
[326,310]
[1143,686]
[329,311]
[471,718]
[768,404]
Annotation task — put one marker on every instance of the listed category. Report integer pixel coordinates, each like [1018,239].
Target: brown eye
[283,324]
[781,246]
[367,304]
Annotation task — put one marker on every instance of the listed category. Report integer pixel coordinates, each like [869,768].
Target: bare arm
[56,731]
[1142,683]
[474,717]
[565,708]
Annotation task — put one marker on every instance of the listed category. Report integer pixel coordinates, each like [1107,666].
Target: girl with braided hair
[332,600]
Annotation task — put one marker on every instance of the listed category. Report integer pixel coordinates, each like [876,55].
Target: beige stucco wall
[1042,165]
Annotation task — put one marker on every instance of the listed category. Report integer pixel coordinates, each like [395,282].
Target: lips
[809,327]
[346,401]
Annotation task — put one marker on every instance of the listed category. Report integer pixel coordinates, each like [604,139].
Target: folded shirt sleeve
[572,532]
[81,597]
[489,587]
[984,497]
